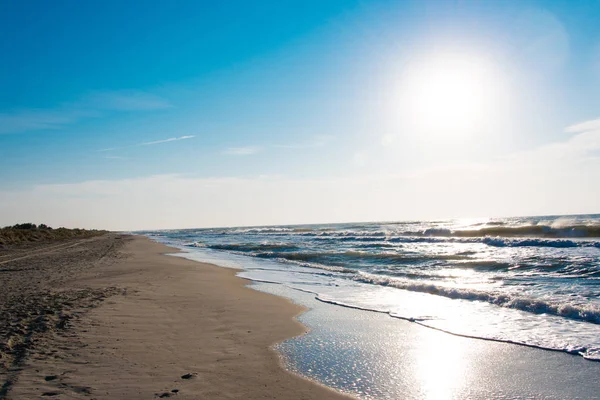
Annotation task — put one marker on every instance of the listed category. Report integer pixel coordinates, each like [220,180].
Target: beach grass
[29,232]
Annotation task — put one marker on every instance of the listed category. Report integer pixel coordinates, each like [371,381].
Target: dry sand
[149,322]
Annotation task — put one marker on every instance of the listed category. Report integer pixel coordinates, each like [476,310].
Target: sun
[448,94]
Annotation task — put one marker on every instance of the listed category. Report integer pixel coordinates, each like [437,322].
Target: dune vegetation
[28,232]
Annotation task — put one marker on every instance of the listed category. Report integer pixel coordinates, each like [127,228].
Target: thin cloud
[173,139]
[242,151]
[584,126]
[127,100]
[317,141]
[95,105]
[38,119]
[115,157]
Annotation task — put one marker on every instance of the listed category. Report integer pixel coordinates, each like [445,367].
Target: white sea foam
[582,312]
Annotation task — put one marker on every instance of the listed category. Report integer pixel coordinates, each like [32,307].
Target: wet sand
[153,326]
[379,357]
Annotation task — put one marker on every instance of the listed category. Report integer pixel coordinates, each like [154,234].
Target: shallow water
[372,356]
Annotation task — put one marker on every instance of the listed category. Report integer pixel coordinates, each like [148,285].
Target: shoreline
[379,357]
[373,355]
[176,326]
[184,328]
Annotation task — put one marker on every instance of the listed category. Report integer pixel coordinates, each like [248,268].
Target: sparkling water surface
[533,281]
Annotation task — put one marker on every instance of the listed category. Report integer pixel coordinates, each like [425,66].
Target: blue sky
[225,104]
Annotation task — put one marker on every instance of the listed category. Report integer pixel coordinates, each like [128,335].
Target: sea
[527,281]
[530,281]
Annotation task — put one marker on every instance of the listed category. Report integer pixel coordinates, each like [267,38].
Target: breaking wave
[544,231]
[586,313]
[252,247]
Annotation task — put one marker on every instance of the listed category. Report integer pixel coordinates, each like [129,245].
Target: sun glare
[448,94]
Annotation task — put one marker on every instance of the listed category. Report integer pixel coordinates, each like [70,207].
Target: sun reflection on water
[441,365]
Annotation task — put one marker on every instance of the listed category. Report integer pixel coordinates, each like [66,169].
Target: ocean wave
[421,239]
[542,231]
[559,243]
[551,231]
[351,238]
[254,247]
[488,265]
[591,354]
[377,245]
[315,265]
[437,232]
[587,313]
[447,236]
[354,258]
[499,242]
[260,230]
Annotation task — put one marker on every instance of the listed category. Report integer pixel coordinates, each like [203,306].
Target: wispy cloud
[242,151]
[37,119]
[94,105]
[114,157]
[173,139]
[127,100]
[584,126]
[316,141]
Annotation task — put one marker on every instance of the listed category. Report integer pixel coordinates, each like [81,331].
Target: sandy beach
[122,320]
[113,317]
